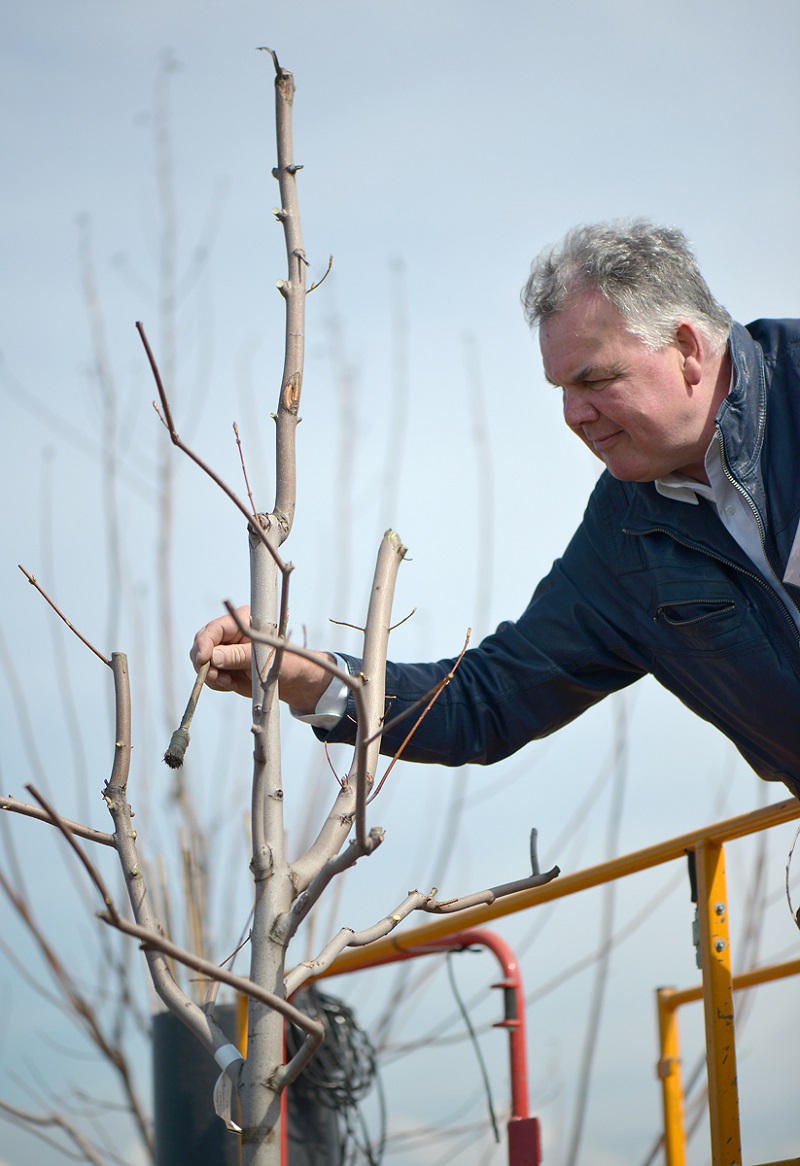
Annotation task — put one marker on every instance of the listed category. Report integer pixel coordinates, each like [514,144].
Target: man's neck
[720,376]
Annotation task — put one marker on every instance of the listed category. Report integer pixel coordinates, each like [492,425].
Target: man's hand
[301,684]
[229,651]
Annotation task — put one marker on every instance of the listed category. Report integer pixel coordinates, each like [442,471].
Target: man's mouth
[598,444]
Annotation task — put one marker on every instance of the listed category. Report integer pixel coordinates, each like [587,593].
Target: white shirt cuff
[331,705]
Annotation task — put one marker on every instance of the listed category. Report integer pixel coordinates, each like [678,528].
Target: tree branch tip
[317,283]
[162,419]
[405,618]
[279,70]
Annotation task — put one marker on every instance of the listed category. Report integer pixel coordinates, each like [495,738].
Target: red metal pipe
[514,1000]
[524,1148]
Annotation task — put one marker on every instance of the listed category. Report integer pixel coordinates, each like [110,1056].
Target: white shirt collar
[682,488]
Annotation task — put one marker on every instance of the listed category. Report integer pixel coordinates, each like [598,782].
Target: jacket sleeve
[565,653]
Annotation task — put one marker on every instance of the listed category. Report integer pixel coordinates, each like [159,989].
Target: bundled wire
[337,1079]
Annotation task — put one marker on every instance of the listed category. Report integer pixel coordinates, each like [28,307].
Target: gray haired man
[686,565]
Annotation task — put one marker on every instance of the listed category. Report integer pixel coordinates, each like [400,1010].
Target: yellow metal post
[669,1072]
[715,956]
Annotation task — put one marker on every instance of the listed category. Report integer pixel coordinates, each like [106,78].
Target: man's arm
[573,645]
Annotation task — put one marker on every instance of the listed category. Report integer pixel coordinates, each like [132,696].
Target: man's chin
[627,473]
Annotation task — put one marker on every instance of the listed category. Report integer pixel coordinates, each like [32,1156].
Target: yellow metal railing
[668,1001]
[718,984]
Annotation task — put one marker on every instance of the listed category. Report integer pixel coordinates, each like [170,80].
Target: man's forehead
[582,341]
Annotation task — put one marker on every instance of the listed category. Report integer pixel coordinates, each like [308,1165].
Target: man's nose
[578,408]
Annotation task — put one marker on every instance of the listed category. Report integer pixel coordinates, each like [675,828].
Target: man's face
[643,413]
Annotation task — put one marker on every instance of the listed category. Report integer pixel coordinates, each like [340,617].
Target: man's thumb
[232,657]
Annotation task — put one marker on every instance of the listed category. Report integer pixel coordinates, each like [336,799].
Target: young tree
[284,890]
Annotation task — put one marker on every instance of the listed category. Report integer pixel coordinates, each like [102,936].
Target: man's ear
[691,346]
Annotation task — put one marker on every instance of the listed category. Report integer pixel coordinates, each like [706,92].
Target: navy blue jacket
[648,585]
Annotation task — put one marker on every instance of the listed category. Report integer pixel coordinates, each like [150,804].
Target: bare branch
[343,623]
[293,290]
[91,869]
[202,1025]
[795,914]
[82,1009]
[34,583]
[447,906]
[204,466]
[274,55]
[431,699]
[244,470]
[319,282]
[334,866]
[405,619]
[376,641]
[151,941]
[88,833]
[414,901]
[349,938]
[24,1117]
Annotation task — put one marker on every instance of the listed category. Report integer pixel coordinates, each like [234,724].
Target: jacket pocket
[685,613]
[698,615]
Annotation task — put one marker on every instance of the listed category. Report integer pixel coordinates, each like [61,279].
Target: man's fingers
[220,631]
[231,657]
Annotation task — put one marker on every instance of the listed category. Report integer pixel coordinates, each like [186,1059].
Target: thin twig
[319,282]
[334,866]
[84,1012]
[432,693]
[91,869]
[343,623]
[88,833]
[151,940]
[244,471]
[795,914]
[263,49]
[405,619]
[33,581]
[490,895]
[331,766]
[168,423]
[434,696]
[54,1119]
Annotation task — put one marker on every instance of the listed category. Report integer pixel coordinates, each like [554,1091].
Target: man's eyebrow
[589,372]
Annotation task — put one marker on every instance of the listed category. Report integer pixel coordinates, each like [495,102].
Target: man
[687,562]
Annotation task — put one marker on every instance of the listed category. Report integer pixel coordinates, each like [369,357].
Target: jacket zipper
[787,615]
[739,488]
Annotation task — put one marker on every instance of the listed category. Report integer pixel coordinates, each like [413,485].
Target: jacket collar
[742,416]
